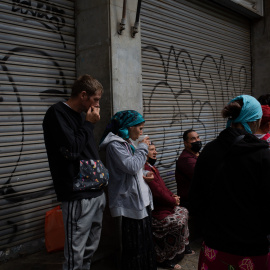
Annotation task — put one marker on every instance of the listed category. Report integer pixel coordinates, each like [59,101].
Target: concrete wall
[115,60]
[126,60]
[251,9]
[93,50]
[93,57]
[261,53]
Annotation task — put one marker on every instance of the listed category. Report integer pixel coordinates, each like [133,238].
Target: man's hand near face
[93,115]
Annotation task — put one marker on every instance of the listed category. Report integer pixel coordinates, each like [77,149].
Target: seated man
[169,220]
[185,164]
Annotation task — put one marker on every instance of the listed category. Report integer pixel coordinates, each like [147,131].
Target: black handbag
[92,175]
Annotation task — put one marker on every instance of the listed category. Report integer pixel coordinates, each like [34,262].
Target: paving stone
[45,261]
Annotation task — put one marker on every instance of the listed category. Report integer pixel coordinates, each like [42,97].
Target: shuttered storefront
[37,52]
[195,58]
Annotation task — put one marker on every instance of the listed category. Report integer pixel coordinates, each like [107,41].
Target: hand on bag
[149,177]
[93,115]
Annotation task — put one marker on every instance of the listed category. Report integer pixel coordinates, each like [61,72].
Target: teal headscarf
[251,111]
[120,123]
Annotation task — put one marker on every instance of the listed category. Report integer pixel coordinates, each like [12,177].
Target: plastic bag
[54,230]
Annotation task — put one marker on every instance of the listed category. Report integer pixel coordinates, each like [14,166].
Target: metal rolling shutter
[37,52]
[195,58]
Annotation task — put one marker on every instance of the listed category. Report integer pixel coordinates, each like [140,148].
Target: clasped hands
[177,199]
[149,177]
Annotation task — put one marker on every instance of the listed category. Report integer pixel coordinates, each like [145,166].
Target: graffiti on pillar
[182,83]
[30,76]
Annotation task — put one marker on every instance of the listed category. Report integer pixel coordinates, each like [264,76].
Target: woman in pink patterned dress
[230,193]
[169,220]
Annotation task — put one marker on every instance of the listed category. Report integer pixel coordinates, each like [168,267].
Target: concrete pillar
[93,54]
[261,53]
[115,60]
[126,59]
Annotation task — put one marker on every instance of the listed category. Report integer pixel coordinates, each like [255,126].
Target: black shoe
[188,250]
[179,257]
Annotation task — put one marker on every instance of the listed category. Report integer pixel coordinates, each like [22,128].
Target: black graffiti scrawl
[46,13]
[60,80]
[31,75]
[180,79]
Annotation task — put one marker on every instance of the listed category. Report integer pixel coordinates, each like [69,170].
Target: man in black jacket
[69,140]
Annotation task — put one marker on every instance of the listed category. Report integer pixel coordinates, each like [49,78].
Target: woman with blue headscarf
[129,195]
[230,193]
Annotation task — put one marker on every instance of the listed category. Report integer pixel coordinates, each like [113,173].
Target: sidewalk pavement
[53,261]
[190,262]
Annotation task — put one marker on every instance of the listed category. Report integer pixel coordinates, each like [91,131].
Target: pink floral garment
[211,259]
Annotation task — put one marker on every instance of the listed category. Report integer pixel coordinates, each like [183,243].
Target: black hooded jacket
[68,139]
[230,193]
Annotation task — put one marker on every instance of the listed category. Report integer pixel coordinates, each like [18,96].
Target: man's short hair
[88,84]
[185,134]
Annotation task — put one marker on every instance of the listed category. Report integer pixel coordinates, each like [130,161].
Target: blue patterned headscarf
[120,123]
[251,111]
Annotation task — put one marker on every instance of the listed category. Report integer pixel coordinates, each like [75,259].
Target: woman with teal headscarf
[129,196]
[230,193]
